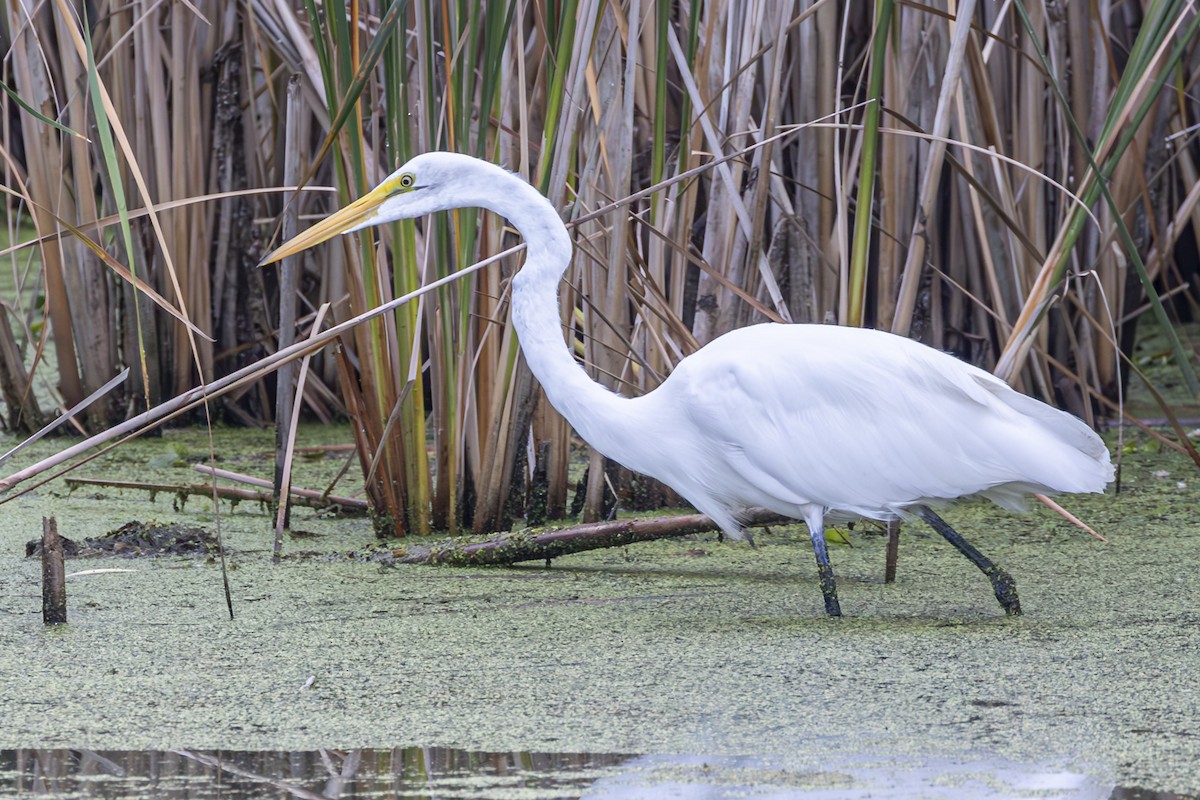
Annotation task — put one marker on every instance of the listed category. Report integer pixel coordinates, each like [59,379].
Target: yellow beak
[354,214]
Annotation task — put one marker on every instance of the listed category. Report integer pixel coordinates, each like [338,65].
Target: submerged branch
[514,547]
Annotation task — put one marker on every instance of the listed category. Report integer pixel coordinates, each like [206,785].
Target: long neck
[595,412]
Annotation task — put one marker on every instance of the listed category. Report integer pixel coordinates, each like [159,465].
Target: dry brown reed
[983,228]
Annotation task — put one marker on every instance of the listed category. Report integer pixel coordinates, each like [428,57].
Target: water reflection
[844,776]
[432,772]
[417,772]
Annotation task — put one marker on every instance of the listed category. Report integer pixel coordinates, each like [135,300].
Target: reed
[1008,175]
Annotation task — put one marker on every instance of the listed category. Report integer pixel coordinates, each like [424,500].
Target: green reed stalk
[860,248]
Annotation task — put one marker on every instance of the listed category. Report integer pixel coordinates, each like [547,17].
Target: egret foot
[1006,590]
[1002,583]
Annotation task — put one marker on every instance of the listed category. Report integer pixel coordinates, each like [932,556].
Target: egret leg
[1002,583]
[816,529]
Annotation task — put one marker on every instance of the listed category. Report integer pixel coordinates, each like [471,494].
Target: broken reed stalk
[289,282]
[893,551]
[54,575]
[309,498]
[283,477]
[512,548]
[293,492]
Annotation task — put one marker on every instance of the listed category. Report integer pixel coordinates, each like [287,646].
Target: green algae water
[708,666]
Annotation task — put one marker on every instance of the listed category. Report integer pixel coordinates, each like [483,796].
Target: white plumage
[810,421]
[864,424]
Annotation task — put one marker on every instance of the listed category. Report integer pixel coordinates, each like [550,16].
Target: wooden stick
[228,492]
[54,577]
[893,551]
[511,548]
[311,494]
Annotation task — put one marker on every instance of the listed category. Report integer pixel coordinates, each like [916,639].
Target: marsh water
[404,772]
[435,772]
[689,668]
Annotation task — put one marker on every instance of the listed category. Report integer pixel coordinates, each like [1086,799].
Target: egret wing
[857,420]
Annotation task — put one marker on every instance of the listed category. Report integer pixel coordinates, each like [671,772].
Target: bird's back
[862,422]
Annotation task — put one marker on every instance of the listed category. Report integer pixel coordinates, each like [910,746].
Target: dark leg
[1002,583]
[816,530]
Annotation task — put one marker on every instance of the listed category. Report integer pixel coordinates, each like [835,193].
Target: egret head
[426,183]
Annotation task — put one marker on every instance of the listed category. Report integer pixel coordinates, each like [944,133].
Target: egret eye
[402,184]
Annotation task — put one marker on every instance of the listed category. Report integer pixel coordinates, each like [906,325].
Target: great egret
[814,422]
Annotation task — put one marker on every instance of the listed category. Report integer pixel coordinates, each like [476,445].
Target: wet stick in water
[54,578]
[513,548]
[893,551]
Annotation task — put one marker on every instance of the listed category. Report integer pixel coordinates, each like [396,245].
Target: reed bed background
[1012,182]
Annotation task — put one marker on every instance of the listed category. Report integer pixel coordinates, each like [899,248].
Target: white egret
[814,422]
